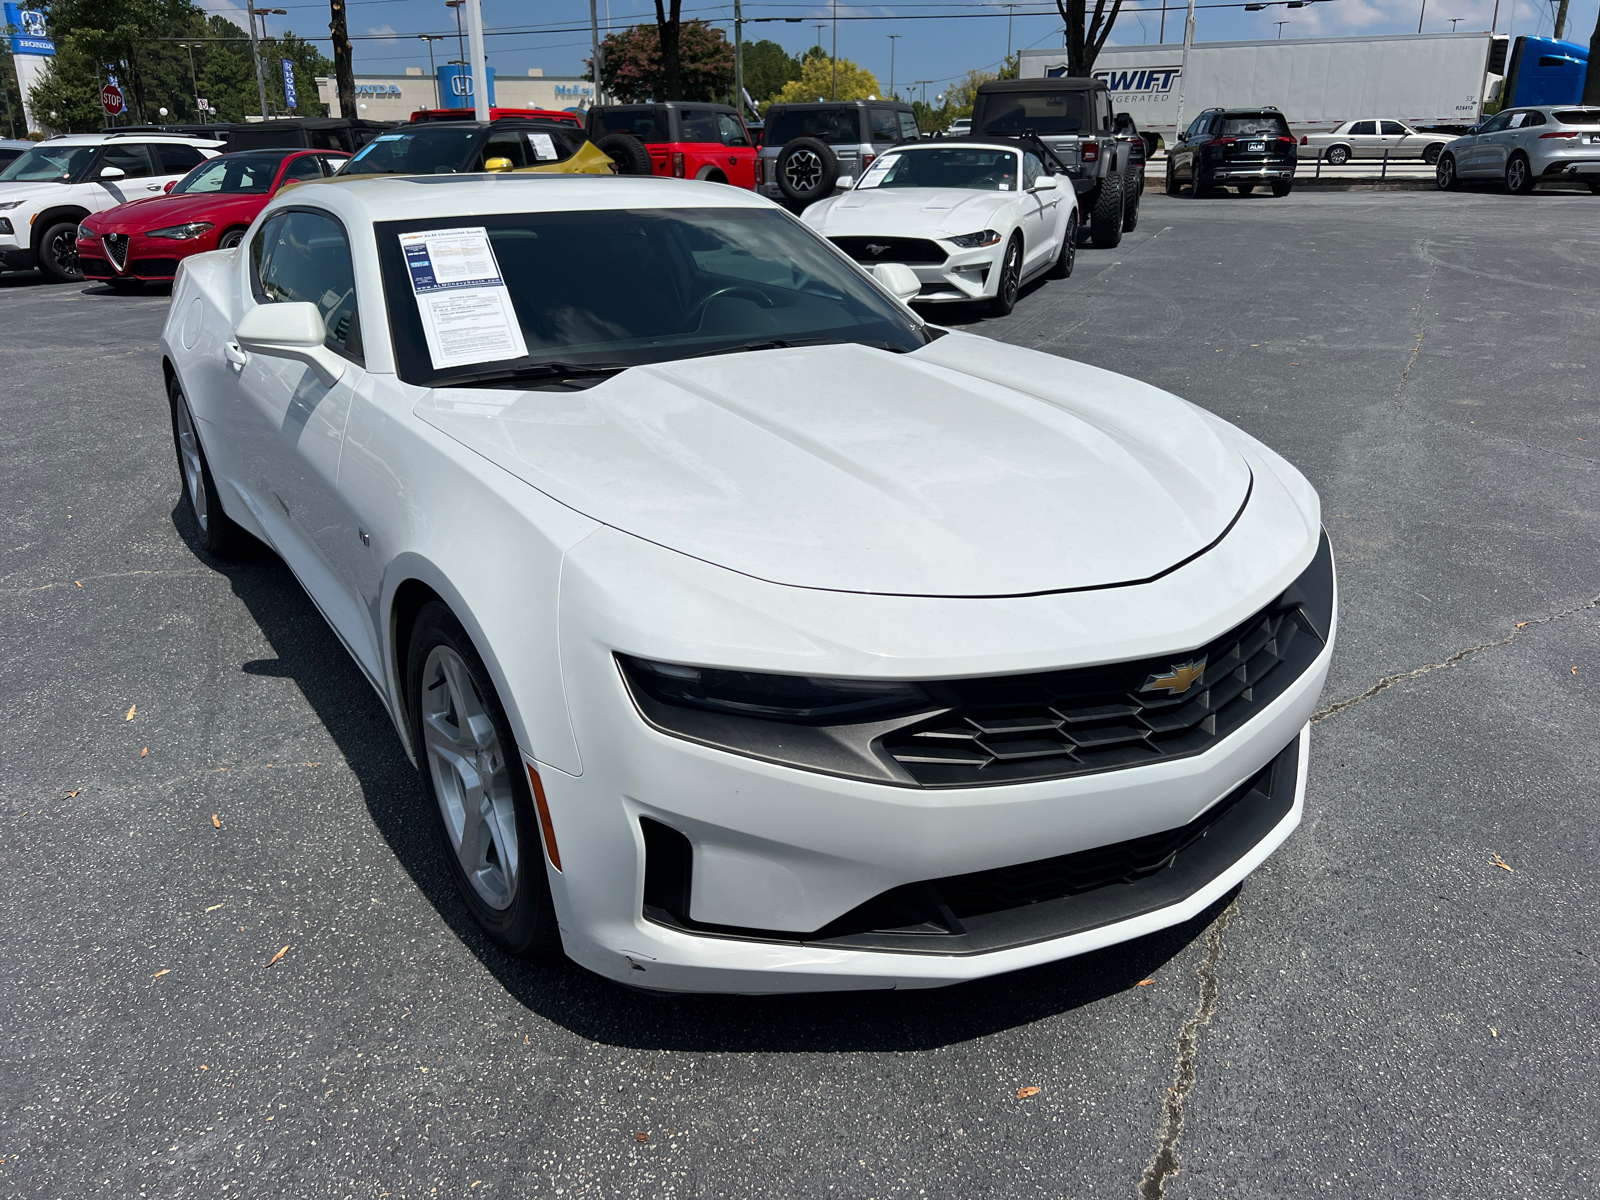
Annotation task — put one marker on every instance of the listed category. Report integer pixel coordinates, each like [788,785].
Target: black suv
[506,144]
[1073,118]
[1238,146]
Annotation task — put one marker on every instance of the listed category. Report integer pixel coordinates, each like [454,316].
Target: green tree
[817,81]
[634,71]
[767,67]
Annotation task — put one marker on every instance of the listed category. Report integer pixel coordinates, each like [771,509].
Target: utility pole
[189,46]
[255,57]
[1561,19]
[1281,24]
[1422,14]
[431,38]
[1183,72]
[893,37]
[738,56]
[344,70]
[480,63]
[835,95]
[1011,13]
[597,62]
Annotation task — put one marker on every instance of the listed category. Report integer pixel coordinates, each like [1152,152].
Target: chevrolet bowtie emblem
[1175,682]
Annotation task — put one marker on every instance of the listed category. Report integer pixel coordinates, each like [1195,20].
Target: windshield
[698,281]
[1254,125]
[235,173]
[1043,112]
[836,126]
[48,164]
[424,151]
[947,167]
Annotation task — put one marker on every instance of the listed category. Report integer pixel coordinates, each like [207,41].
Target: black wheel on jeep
[1130,213]
[627,152]
[807,170]
[1105,219]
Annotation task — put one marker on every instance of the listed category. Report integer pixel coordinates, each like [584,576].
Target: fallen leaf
[71,794]
[313,764]
[1522,624]
[641,1137]
[1500,862]
[160,973]
[525,1040]
[1574,670]
[79,582]
[131,710]
[144,752]
[216,821]
[278,955]
[1493,1031]
[214,907]
[1144,983]
[203,1067]
[1024,1092]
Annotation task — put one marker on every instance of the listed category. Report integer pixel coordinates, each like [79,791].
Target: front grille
[1018,728]
[117,247]
[891,249]
[153,268]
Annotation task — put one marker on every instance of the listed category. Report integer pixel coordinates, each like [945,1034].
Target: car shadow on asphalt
[309,654]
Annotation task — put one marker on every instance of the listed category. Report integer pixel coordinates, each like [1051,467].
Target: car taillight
[1563,134]
[1091,151]
[1222,141]
[1290,140]
[866,161]
[1303,139]
[677,164]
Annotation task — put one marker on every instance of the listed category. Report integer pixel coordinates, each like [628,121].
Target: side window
[177,160]
[731,130]
[1534,118]
[1394,129]
[304,256]
[508,146]
[332,163]
[698,125]
[304,167]
[908,127]
[1363,128]
[132,159]
[1495,123]
[1517,121]
[885,125]
[1198,129]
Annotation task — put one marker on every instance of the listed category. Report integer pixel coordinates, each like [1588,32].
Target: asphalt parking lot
[197,776]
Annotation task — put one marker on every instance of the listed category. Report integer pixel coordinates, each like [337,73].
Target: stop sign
[111,100]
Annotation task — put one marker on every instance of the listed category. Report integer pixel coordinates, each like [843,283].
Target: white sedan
[974,220]
[750,634]
[1377,139]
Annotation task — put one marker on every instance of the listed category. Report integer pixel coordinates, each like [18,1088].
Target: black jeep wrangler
[1073,117]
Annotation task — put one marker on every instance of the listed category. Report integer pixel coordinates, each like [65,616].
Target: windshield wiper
[790,344]
[545,372]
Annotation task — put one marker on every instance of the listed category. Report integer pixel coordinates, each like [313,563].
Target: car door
[1400,140]
[737,150]
[1039,213]
[701,142]
[289,426]
[132,174]
[174,160]
[1188,150]
[1498,145]
[1469,151]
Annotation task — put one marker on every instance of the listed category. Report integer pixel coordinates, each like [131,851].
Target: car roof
[1033,85]
[100,139]
[716,104]
[973,142]
[837,104]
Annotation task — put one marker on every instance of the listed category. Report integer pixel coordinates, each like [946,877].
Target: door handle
[732,161]
[235,356]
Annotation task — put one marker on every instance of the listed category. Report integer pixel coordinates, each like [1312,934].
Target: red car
[688,140]
[208,209]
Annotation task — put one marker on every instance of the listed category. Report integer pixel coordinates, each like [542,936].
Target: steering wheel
[691,321]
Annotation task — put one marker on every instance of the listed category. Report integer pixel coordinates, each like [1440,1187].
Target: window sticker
[877,171]
[544,149]
[466,310]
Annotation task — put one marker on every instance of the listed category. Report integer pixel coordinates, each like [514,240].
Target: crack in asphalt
[1163,1164]
[1388,681]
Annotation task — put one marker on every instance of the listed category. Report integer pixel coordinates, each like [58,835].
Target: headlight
[85,233]
[798,699]
[968,241]
[8,205]
[181,233]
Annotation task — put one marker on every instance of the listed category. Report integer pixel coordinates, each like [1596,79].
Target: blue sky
[552,34]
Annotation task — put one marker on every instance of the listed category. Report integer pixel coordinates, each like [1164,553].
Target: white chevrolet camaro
[750,634]
[975,220]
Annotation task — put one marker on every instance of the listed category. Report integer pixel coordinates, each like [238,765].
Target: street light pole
[480,63]
[1280,25]
[1011,13]
[461,45]
[1183,73]
[596,62]
[189,46]
[893,38]
[1422,14]
[431,38]
[255,57]
[738,56]
[835,95]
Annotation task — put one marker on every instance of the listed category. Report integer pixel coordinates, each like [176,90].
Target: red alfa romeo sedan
[208,209]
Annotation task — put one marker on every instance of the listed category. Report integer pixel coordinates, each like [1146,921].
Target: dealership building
[396,97]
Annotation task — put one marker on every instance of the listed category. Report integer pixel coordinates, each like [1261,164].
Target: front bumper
[149,260]
[966,275]
[18,257]
[1254,173]
[776,848]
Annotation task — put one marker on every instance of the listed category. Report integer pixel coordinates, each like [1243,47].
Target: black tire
[1172,180]
[1519,175]
[1444,174]
[1200,186]
[1595,188]
[1105,219]
[1130,212]
[1337,156]
[526,927]
[1430,153]
[218,535]
[1005,296]
[1068,258]
[58,253]
[628,153]
[1246,188]
[1282,187]
[231,238]
[807,169]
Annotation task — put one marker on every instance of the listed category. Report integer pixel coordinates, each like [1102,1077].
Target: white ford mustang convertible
[975,220]
[749,633]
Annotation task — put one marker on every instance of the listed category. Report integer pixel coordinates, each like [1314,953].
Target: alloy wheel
[194,480]
[63,251]
[803,170]
[1445,173]
[1517,175]
[471,778]
[1011,273]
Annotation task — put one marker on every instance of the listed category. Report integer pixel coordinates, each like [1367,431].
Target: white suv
[47,191]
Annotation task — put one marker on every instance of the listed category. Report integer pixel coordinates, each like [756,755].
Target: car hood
[968,468]
[913,212]
[156,212]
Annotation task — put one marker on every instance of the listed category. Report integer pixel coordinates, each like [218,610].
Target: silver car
[1374,139]
[1526,147]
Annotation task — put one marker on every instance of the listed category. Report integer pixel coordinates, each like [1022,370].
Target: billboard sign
[26,29]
